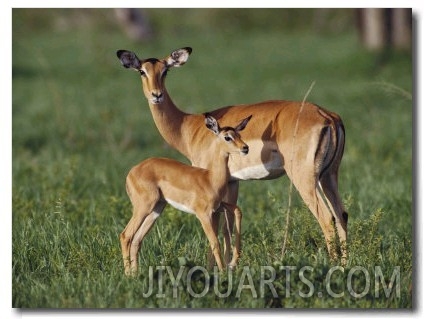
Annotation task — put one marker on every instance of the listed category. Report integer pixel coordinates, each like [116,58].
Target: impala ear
[243,124]
[178,57]
[129,59]
[212,124]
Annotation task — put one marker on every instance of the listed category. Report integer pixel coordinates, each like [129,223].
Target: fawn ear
[212,124]
[129,59]
[178,57]
[243,124]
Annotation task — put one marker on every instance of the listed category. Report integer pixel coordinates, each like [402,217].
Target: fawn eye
[228,138]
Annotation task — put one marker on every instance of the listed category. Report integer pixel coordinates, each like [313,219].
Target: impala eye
[142,73]
[228,138]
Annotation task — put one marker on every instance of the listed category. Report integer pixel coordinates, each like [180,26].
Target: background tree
[381,28]
[135,23]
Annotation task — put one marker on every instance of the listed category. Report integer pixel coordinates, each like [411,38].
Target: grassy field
[80,122]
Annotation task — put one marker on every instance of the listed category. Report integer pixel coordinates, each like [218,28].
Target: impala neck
[168,119]
[219,172]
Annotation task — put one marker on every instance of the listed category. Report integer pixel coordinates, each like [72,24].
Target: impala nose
[245,150]
[157,95]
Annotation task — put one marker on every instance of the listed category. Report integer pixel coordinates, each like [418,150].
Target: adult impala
[157,181]
[299,139]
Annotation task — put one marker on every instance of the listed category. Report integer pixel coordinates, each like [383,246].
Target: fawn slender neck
[219,172]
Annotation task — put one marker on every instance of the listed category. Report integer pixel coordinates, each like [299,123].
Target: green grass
[80,122]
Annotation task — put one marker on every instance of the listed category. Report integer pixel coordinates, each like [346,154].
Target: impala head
[153,71]
[230,135]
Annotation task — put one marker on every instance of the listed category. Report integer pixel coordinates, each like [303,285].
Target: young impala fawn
[157,181]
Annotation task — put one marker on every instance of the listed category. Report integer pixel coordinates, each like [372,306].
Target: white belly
[255,168]
[258,172]
[180,206]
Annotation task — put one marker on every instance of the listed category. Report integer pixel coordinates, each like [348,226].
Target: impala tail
[328,157]
[331,146]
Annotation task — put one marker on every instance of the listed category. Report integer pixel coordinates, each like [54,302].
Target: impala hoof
[232,267]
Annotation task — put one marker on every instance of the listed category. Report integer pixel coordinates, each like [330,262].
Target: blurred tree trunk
[402,24]
[135,23]
[381,28]
[372,28]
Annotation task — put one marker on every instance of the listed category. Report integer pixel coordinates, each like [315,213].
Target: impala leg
[206,220]
[329,187]
[237,245]
[215,224]
[307,190]
[145,212]
[227,229]
[230,198]
[142,232]
[127,235]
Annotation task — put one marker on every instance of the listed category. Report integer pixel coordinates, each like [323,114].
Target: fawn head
[229,135]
